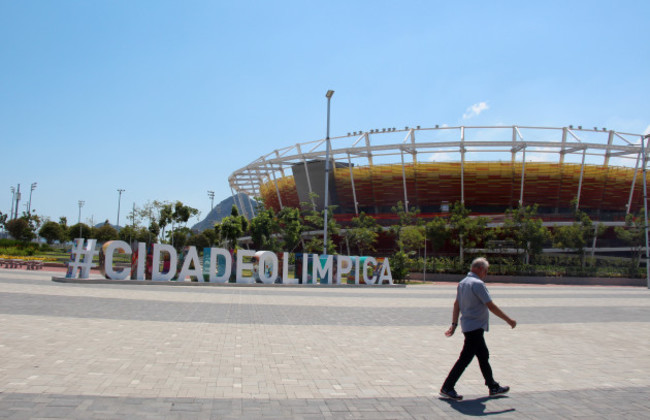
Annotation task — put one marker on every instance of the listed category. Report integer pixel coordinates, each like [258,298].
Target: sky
[166,99]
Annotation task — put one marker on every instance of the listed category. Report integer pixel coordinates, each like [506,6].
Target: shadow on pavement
[475,407]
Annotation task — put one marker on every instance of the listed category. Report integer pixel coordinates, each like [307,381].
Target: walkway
[118,351]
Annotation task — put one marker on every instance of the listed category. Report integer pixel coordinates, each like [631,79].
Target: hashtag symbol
[81,258]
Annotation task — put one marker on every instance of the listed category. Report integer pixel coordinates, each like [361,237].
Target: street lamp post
[328,95]
[81,204]
[119,199]
[29,207]
[211,195]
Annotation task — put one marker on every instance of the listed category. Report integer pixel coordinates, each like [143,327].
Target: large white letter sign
[217,265]
[215,253]
[110,249]
[81,258]
[325,273]
[385,273]
[369,260]
[357,269]
[342,268]
[241,266]
[142,258]
[285,271]
[305,268]
[156,275]
[191,257]
[264,258]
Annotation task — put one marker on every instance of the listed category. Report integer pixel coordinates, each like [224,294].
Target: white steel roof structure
[512,143]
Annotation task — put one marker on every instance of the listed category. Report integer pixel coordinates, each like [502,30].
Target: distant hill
[98,225]
[223,209]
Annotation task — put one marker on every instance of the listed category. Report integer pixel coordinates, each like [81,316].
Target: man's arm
[498,312]
[454,319]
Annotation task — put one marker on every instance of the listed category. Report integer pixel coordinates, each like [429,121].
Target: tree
[179,237]
[199,240]
[131,234]
[105,233]
[400,266]
[73,231]
[411,238]
[183,213]
[364,233]
[437,232]
[35,221]
[233,227]
[406,218]
[63,223]
[147,211]
[263,227]
[168,214]
[3,219]
[217,233]
[315,221]
[164,216]
[52,231]
[526,230]
[20,229]
[408,232]
[577,235]
[291,226]
[466,231]
[633,234]
[154,230]
[211,236]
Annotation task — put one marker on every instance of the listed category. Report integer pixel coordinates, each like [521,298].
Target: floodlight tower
[17,197]
[29,207]
[81,204]
[211,196]
[119,199]
[13,202]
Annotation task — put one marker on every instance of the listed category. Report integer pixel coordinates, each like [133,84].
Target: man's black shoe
[498,390]
[451,394]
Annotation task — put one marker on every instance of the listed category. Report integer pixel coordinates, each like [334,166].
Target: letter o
[265,257]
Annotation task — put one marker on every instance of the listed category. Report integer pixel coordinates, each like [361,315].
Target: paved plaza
[96,351]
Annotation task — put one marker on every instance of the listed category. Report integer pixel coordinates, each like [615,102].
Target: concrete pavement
[117,351]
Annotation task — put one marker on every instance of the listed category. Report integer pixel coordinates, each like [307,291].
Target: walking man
[473,302]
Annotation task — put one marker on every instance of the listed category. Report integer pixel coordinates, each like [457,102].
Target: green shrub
[543,266]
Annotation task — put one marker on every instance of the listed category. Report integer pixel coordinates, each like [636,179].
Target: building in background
[489,169]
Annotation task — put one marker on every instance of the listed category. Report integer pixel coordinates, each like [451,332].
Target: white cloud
[541,156]
[439,157]
[475,110]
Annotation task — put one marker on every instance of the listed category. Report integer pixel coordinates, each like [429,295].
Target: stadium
[489,169]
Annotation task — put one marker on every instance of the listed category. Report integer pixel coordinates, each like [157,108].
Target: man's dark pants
[474,346]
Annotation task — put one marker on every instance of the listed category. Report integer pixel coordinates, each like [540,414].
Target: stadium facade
[489,169]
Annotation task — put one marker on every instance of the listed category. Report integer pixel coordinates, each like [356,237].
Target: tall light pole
[17,202]
[328,95]
[211,195]
[13,201]
[29,207]
[119,199]
[81,204]
[645,209]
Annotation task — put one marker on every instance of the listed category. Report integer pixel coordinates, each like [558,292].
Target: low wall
[586,281]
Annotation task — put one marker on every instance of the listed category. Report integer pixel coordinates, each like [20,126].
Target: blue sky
[166,99]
